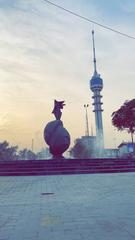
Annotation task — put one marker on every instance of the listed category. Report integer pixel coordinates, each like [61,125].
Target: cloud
[46,54]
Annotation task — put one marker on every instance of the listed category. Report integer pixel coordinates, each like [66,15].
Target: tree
[81,150]
[8,153]
[124,118]
[26,154]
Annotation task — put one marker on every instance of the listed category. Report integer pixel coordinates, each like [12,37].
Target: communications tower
[96,85]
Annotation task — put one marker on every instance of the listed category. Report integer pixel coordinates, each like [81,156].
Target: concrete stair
[65,166]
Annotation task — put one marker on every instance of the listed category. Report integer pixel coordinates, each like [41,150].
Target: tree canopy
[7,152]
[10,153]
[27,154]
[124,117]
[81,150]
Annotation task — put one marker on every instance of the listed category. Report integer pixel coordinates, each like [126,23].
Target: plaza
[76,207]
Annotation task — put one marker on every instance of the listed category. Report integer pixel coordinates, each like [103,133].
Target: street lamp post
[87,124]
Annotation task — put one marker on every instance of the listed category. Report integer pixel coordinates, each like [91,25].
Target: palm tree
[124,118]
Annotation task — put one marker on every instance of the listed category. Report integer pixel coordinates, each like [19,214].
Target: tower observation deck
[96,85]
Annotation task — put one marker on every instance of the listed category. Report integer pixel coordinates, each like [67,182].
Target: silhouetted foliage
[80,150]
[8,153]
[26,154]
[124,117]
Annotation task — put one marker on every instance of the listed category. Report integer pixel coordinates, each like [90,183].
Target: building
[44,154]
[111,153]
[126,149]
[96,85]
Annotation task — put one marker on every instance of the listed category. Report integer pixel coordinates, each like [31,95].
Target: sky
[46,54]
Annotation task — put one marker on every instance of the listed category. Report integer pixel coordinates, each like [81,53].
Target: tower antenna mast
[94,53]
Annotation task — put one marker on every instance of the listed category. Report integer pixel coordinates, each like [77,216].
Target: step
[81,171]
[64,168]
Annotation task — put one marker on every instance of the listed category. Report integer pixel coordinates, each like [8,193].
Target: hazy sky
[46,54]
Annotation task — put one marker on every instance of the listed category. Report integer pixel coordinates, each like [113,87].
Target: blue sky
[46,54]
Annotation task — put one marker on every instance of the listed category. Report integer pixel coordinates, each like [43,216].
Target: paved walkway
[73,207]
